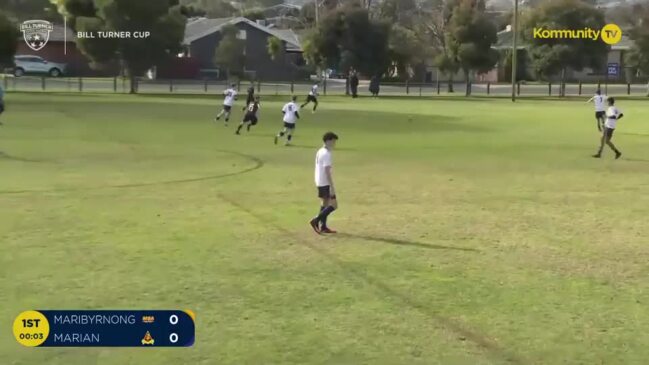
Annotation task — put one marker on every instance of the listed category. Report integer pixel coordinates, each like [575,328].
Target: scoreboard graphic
[105,328]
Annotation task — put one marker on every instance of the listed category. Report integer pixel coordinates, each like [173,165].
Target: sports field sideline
[473,231]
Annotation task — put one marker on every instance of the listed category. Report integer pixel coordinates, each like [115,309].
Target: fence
[328,87]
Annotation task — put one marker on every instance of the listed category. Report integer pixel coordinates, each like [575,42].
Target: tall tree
[8,40]
[555,56]
[161,18]
[230,52]
[407,50]
[402,12]
[436,17]
[346,38]
[471,36]
[638,58]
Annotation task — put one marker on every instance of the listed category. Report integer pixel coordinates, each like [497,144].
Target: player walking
[325,184]
[291,116]
[312,97]
[230,95]
[600,108]
[613,115]
[250,117]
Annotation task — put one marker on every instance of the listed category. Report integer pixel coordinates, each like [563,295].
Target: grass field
[473,231]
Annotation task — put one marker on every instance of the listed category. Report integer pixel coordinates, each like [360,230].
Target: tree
[406,50]
[212,8]
[9,35]
[230,52]
[552,56]
[161,18]
[29,9]
[470,38]
[274,47]
[254,14]
[436,17]
[347,37]
[638,58]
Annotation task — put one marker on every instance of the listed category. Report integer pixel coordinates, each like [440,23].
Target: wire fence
[327,87]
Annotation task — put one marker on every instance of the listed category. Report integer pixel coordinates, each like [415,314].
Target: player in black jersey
[250,118]
[251,96]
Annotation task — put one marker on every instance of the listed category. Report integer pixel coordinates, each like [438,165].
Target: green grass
[475,231]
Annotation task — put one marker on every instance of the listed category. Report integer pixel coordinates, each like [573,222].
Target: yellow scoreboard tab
[105,328]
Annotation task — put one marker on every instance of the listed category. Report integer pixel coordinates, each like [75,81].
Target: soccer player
[291,116]
[251,97]
[230,96]
[600,108]
[251,115]
[312,97]
[325,184]
[613,115]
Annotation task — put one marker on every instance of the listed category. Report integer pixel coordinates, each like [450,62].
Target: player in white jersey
[613,115]
[600,108]
[312,97]
[230,95]
[325,184]
[291,115]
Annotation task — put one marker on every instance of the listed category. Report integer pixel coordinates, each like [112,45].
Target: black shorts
[2,107]
[289,125]
[249,117]
[324,192]
[599,114]
[312,98]
[608,133]
[227,108]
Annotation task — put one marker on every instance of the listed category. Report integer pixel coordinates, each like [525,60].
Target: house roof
[198,28]
[505,42]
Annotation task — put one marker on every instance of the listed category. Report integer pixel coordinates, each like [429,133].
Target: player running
[613,115]
[228,101]
[325,184]
[312,97]
[250,98]
[600,108]
[250,117]
[291,116]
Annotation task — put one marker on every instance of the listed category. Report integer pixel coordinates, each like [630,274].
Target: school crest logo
[36,33]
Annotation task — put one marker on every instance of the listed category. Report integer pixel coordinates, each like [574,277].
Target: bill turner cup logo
[36,33]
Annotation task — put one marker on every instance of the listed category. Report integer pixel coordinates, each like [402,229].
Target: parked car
[29,64]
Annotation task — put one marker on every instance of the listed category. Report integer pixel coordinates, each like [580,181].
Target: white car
[28,64]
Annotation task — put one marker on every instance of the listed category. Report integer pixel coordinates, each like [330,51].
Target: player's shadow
[6,156]
[398,242]
[636,159]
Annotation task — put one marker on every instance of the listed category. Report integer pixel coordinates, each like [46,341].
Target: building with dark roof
[202,38]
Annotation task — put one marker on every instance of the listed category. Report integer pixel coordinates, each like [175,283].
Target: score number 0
[173,337]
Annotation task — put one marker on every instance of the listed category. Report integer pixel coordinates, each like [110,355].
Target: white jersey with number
[600,103]
[289,111]
[612,113]
[322,160]
[230,94]
[314,90]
